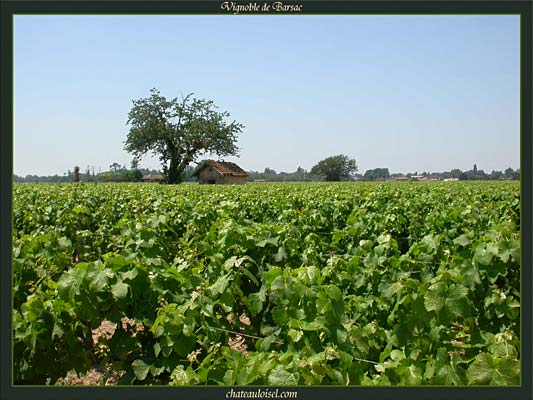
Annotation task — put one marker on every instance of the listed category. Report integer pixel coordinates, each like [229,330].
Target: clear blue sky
[408,93]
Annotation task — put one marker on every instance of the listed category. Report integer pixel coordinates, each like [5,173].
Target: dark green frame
[12,7]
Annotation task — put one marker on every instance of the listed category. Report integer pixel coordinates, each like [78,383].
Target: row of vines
[268,284]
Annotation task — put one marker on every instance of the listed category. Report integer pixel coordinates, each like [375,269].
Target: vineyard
[268,284]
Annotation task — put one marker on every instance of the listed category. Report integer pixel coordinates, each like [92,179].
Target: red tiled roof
[228,168]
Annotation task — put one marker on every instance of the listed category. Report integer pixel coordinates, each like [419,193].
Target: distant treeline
[118,173]
[270,175]
[383,174]
[474,174]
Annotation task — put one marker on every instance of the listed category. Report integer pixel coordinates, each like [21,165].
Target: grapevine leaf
[97,278]
[69,283]
[220,285]
[256,301]
[64,242]
[272,241]
[117,261]
[280,255]
[452,299]
[485,252]
[411,375]
[462,240]
[180,376]
[308,275]
[489,370]
[435,299]
[390,289]
[323,303]
[229,378]
[295,335]
[155,371]
[279,315]
[281,377]
[130,275]
[457,301]
[447,374]
[334,292]
[141,369]
[119,290]
[264,344]
[230,262]
[157,349]
[271,275]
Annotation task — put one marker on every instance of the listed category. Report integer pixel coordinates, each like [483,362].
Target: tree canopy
[376,174]
[179,131]
[335,168]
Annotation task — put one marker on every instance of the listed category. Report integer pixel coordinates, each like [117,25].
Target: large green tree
[335,168]
[179,131]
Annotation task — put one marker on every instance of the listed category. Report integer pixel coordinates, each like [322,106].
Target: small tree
[496,175]
[508,173]
[456,173]
[135,174]
[376,174]
[335,168]
[179,131]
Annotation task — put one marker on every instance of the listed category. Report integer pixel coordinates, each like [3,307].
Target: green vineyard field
[268,284]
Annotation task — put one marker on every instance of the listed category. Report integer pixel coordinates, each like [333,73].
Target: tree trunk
[176,169]
[174,176]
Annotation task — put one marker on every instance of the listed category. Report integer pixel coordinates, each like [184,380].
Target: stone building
[153,178]
[220,173]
